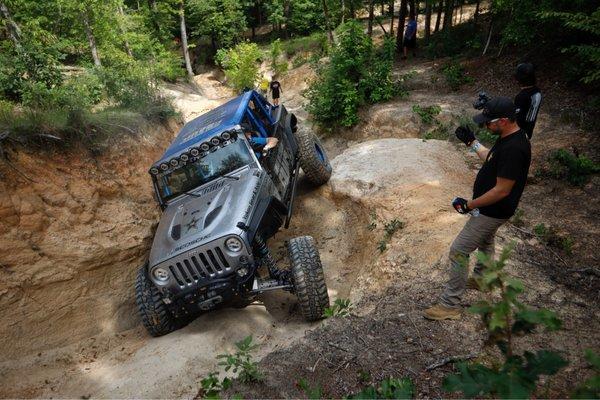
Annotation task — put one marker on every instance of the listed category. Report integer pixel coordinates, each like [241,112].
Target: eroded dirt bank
[73,230]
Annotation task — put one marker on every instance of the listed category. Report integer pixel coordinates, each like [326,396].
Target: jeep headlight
[160,274]
[234,244]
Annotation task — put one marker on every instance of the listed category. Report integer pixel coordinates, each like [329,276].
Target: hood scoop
[211,216]
[176,232]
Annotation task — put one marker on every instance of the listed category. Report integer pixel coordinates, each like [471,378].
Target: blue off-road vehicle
[222,198]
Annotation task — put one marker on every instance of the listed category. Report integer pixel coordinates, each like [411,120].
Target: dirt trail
[129,363]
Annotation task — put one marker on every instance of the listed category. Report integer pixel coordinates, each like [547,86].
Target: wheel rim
[320,153]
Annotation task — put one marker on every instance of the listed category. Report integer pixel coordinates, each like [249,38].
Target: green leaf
[593,359]
[515,284]
[544,362]
[481,307]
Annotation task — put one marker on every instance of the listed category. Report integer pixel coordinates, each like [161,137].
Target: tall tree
[438,18]
[184,41]
[327,26]
[401,20]
[123,31]
[85,18]
[371,16]
[476,16]
[14,32]
[427,20]
[392,18]
[448,14]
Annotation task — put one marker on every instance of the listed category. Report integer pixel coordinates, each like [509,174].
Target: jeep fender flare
[258,223]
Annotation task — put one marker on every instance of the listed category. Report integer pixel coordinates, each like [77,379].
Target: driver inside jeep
[259,144]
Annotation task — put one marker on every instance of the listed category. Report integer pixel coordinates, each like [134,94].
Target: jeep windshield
[197,172]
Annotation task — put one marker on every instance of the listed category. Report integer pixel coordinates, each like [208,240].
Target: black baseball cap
[498,107]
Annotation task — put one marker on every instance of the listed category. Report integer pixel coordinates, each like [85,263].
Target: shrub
[315,43]
[340,308]
[32,63]
[241,64]
[278,66]
[576,169]
[427,113]
[455,75]
[516,376]
[390,388]
[355,74]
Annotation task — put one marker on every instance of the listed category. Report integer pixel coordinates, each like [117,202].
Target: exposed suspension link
[266,259]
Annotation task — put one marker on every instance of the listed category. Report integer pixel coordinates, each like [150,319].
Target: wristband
[475,146]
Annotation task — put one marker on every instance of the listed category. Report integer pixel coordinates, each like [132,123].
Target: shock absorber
[266,259]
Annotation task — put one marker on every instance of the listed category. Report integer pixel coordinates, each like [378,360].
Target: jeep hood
[191,221]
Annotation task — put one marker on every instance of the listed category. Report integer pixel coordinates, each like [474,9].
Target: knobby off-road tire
[308,278]
[313,158]
[157,319]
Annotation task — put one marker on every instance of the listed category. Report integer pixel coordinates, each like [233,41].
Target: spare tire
[313,158]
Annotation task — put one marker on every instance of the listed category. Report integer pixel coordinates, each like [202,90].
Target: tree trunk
[414,11]
[352,10]
[489,37]
[448,14]
[343,10]
[382,8]
[400,32]
[371,16]
[184,41]
[91,39]
[392,18]
[286,12]
[152,7]
[427,20]
[327,26]
[14,32]
[439,16]
[476,16]
[123,31]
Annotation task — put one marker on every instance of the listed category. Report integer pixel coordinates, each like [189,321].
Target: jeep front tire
[307,277]
[157,319]
[313,158]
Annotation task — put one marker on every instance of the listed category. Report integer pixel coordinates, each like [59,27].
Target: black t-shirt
[528,102]
[509,158]
[275,86]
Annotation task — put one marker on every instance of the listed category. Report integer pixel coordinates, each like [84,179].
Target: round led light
[205,147]
[164,166]
[234,244]
[194,152]
[174,162]
[161,274]
[226,135]
[154,171]
[215,141]
[184,157]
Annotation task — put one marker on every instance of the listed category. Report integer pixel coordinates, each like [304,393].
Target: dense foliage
[356,73]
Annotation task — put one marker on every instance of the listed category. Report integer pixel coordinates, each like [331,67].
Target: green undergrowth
[576,169]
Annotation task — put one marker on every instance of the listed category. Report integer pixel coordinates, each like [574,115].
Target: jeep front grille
[200,266]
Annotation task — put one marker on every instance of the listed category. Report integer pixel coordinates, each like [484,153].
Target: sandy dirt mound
[410,180]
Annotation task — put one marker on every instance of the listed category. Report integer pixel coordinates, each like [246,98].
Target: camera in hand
[482,100]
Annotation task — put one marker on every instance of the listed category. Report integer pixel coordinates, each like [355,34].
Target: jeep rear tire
[307,277]
[313,158]
[157,319]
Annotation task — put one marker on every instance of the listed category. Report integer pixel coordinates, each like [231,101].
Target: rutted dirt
[108,359]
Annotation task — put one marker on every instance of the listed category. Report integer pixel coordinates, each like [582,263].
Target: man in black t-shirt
[496,193]
[275,88]
[529,99]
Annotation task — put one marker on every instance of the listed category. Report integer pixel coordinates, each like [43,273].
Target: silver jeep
[222,198]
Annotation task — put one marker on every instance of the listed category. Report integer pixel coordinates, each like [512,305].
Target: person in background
[529,99]
[410,36]
[275,88]
[496,194]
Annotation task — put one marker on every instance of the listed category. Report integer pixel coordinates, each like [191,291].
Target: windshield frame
[164,201]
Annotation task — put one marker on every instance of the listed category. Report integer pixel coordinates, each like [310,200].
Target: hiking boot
[472,284]
[440,312]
